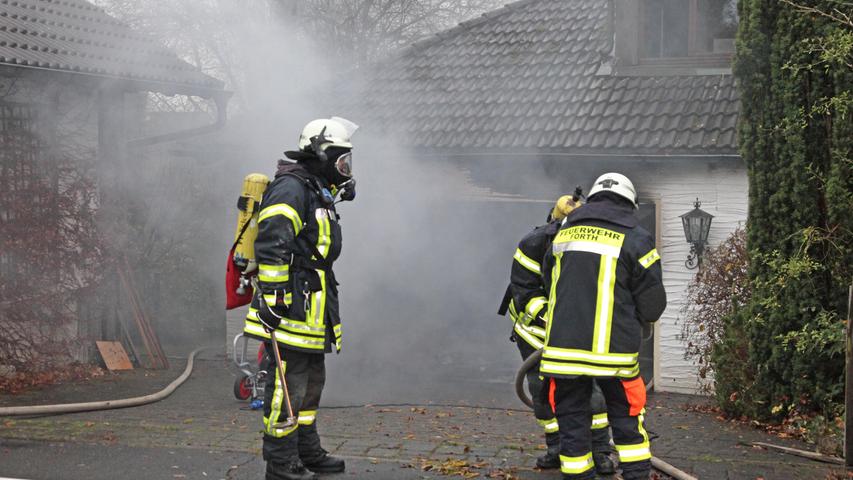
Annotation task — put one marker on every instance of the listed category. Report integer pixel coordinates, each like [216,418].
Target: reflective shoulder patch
[583,238]
[284,210]
[527,262]
[650,258]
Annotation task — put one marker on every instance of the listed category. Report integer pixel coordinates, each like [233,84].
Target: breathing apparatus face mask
[343,165]
[338,171]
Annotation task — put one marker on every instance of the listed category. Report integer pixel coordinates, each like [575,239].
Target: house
[560,91]
[73,89]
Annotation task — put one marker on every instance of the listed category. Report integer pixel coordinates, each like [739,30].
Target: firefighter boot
[292,470]
[603,464]
[325,463]
[551,459]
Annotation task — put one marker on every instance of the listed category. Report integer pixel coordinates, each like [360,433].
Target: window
[685,28]
[20,170]
[19,160]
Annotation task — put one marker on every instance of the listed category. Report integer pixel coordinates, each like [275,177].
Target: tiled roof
[76,36]
[527,77]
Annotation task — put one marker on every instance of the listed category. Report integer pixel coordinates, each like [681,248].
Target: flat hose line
[533,360]
[108,404]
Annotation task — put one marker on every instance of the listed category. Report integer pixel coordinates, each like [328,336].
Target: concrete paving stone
[354,447]
[482,452]
[418,449]
[451,449]
[382,452]
[228,435]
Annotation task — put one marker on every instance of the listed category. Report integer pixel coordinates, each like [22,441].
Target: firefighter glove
[272,309]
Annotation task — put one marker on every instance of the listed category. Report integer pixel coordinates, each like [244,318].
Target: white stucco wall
[723,191]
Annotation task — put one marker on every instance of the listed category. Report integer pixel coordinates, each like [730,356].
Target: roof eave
[718,153]
[136,84]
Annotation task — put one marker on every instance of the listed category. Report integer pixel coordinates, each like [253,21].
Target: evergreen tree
[793,66]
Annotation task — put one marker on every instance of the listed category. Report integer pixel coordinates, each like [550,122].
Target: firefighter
[603,275]
[298,241]
[527,290]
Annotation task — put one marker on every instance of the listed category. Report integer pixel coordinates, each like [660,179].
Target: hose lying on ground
[108,404]
[533,360]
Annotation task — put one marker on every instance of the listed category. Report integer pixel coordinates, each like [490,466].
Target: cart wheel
[242,387]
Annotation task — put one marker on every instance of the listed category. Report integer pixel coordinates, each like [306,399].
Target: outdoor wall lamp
[697,224]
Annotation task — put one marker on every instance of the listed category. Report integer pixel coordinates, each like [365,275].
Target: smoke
[427,250]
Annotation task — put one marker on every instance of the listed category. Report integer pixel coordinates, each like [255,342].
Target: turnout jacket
[292,219]
[603,275]
[529,303]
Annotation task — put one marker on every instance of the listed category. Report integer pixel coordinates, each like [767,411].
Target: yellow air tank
[254,186]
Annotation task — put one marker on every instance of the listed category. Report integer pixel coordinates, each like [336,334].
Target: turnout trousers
[544,413]
[305,374]
[626,399]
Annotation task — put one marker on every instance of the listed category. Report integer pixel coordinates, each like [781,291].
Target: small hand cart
[249,384]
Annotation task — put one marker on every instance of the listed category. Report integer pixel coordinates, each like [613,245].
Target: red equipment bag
[232,282]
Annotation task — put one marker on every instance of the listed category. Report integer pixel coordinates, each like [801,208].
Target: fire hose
[108,404]
[533,361]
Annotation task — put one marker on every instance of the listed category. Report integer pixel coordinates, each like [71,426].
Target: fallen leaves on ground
[465,469]
[21,381]
[790,427]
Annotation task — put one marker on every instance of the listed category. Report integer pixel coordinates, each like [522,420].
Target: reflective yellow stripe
[282,209]
[527,262]
[650,258]
[634,453]
[307,417]
[273,273]
[599,421]
[640,452]
[531,338]
[275,409]
[605,359]
[552,295]
[285,337]
[513,313]
[338,335]
[589,239]
[559,368]
[324,240]
[270,299]
[533,306]
[290,324]
[538,332]
[576,465]
[550,425]
[604,304]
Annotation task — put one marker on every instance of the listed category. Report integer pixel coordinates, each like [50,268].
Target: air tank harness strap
[504,306]
[242,205]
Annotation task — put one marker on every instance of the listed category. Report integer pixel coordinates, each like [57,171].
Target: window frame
[694,57]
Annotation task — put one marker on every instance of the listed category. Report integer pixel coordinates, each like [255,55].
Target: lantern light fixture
[697,225]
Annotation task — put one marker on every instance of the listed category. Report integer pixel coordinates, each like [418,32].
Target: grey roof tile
[76,36]
[527,75]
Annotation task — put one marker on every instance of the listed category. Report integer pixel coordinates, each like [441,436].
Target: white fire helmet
[616,183]
[338,132]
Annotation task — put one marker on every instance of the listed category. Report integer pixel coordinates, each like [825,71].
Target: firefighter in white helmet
[297,244]
[528,306]
[604,277]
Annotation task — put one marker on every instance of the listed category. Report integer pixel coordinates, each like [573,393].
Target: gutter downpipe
[221,101]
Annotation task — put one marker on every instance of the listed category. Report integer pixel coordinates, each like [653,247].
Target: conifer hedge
[794,67]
